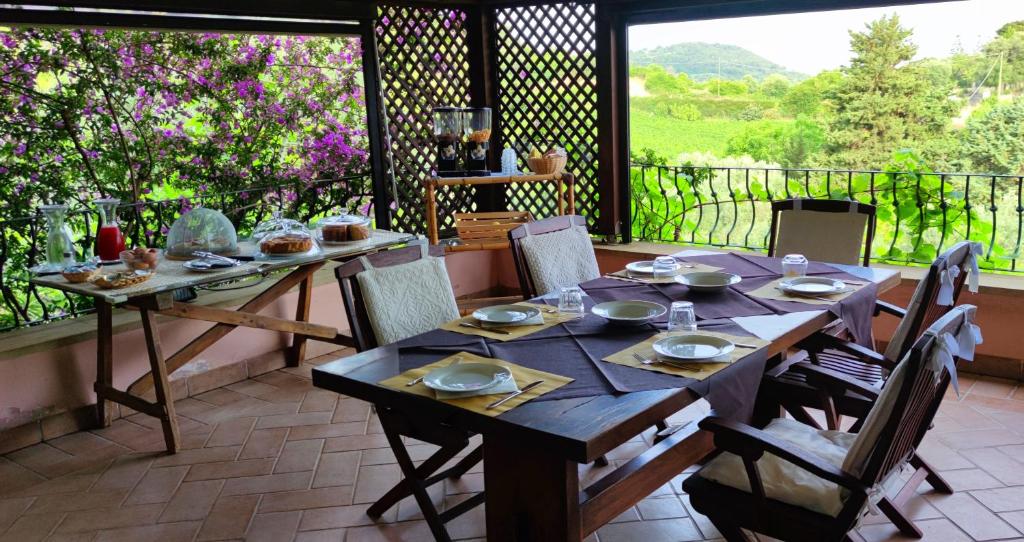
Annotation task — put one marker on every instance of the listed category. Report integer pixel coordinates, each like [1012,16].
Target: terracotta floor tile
[39,457]
[306,499]
[319,401]
[31,528]
[252,388]
[971,517]
[327,430]
[192,501]
[294,420]
[125,472]
[993,387]
[264,443]
[659,530]
[230,469]
[374,481]
[14,477]
[341,516]
[72,537]
[267,484]
[410,530]
[967,479]
[1005,499]
[351,410]
[221,396]
[327,535]
[355,442]
[661,508]
[229,518]
[158,485]
[471,524]
[110,518]
[65,484]
[966,440]
[935,530]
[231,432]
[163,532]
[201,455]
[1000,465]
[70,502]
[337,469]
[79,443]
[11,509]
[467,483]
[273,527]
[299,455]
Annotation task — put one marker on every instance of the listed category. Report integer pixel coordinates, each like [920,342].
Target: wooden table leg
[104,360]
[297,352]
[531,494]
[164,398]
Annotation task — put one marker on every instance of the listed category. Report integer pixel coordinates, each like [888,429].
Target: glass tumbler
[570,301]
[794,265]
[664,266]
[682,318]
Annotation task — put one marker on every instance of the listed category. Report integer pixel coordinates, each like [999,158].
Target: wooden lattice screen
[547,92]
[423,63]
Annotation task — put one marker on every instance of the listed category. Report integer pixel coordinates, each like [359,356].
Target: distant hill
[702,61]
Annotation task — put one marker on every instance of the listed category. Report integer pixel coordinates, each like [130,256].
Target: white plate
[505,314]
[708,281]
[646,267]
[693,347]
[629,312]
[463,377]
[812,286]
[192,265]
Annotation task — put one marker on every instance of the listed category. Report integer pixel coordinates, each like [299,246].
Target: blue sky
[811,42]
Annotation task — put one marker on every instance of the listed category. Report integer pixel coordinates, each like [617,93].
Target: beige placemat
[646,350]
[650,279]
[478,404]
[514,332]
[772,291]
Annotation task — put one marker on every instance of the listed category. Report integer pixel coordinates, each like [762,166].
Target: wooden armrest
[819,342]
[889,308]
[834,382]
[749,442]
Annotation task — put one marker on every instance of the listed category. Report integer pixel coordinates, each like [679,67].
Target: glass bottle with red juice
[109,239]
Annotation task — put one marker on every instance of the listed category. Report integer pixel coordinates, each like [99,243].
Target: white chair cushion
[823,237]
[407,299]
[783,481]
[559,259]
[875,421]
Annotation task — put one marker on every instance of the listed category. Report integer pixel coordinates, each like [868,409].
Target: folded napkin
[508,386]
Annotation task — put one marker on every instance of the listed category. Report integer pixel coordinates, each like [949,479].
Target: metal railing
[146,223]
[919,213]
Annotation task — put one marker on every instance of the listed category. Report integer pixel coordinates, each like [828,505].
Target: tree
[775,86]
[807,98]
[790,145]
[1008,49]
[660,82]
[883,102]
[994,143]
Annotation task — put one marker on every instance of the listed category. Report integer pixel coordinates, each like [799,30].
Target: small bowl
[146,261]
[629,312]
[708,281]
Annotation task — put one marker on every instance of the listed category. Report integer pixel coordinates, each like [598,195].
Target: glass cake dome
[201,229]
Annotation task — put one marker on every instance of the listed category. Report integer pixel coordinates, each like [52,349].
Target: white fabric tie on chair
[946,280]
[961,346]
[974,273]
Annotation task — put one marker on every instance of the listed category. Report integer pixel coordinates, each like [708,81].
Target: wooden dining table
[533,452]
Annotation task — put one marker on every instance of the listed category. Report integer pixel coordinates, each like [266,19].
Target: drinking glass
[681,317]
[794,265]
[570,301]
[664,266]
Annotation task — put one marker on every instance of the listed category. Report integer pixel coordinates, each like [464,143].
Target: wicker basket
[547,165]
[121,280]
[79,277]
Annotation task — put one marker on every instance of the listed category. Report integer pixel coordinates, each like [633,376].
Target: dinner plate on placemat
[692,347]
[629,312]
[505,314]
[708,281]
[464,377]
[812,286]
[646,267]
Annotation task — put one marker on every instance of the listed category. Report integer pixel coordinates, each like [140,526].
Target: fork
[654,361]
[417,380]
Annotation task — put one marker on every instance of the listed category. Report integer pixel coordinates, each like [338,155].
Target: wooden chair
[528,281]
[835,231]
[768,459]
[450,440]
[788,385]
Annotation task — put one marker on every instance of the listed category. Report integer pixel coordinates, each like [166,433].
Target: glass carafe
[109,239]
[60,249]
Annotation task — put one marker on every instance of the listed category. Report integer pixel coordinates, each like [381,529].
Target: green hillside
[702,61]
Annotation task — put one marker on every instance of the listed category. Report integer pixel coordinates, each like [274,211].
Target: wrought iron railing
[146,223]
[919,213]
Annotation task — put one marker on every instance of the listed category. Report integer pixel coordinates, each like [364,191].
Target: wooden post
[570,182]
[432,233]
[561,196]
[161,384]
[376,130]
[104,360]
[297,352]
[612,121]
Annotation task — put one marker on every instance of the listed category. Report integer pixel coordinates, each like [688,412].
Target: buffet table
[155,297]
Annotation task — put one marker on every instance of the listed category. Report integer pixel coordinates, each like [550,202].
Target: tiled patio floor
[272,458]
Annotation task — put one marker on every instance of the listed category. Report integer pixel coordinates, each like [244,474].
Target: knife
[522,390]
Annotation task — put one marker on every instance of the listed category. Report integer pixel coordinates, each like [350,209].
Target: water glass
[570,301]
[794,265]
[682,318]
[664,266]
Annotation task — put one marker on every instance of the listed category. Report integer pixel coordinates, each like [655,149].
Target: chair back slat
[516,235]
[351,296]
[918,396]
[924,309]
[821,237]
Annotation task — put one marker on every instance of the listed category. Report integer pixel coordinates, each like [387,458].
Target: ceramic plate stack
[629,312]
